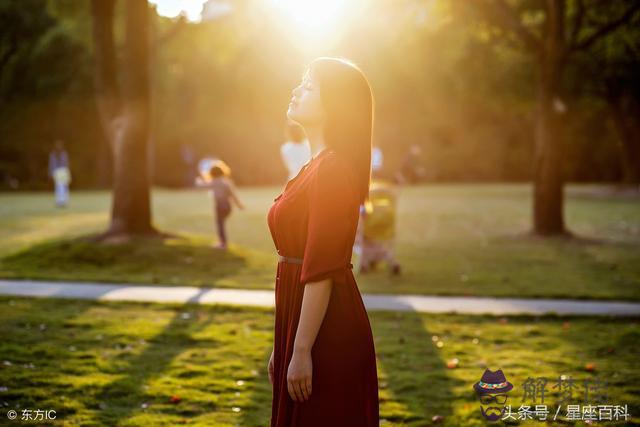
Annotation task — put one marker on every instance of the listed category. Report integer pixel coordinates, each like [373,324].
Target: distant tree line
[460,83]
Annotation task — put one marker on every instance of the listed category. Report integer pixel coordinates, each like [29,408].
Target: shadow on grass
[257,413]
[175,261]
[568,237]
[581,267]
[520,266]
[417,385]
[162,349]
[92,367]
[125,355]
[414,385]
[413,381]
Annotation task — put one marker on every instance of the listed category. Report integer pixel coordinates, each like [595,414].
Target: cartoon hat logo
[492,392]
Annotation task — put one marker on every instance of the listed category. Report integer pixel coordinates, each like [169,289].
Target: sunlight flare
[314,21]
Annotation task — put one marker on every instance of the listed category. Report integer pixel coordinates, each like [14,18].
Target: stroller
[376,228]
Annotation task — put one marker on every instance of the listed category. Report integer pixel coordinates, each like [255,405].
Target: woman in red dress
[323,364]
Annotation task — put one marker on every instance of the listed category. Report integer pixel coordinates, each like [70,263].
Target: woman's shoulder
[333,166]
[334,160]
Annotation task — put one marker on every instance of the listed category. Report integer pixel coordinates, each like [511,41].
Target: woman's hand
[270,368]
[299,376]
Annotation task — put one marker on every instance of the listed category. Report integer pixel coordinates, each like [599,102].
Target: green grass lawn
[106,363]
[452,240]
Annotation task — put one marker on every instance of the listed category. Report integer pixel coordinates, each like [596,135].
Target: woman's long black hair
[348,103]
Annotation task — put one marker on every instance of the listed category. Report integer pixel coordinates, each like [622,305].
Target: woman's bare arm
[314,306]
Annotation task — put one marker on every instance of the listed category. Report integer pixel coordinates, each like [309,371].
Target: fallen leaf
[453,363]
[436,419]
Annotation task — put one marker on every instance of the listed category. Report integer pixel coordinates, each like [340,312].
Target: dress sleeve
[332,221]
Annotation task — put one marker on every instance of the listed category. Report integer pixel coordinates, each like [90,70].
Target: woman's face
[306,107]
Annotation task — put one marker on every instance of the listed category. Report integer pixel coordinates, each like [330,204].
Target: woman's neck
[316,139]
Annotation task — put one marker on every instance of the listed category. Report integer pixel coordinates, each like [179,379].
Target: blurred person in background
[375,236]
[59,173]
[377,158]
[411,171]
[296,151]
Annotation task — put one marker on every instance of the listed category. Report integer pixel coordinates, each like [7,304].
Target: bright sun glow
[310,22]
[314,20]
[191,9]
[311,15]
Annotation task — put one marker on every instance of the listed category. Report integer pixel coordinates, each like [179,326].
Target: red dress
[315,218]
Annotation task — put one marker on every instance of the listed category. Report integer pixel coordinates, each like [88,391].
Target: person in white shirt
[59,173]
[376,161]
[296,152]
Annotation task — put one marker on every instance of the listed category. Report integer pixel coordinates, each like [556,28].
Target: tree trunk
[103,164]
[131,208]
[125,118]
[548,218]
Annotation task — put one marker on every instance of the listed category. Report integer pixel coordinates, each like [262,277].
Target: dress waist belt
[292,260]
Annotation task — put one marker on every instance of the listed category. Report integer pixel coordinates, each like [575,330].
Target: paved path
[264,298]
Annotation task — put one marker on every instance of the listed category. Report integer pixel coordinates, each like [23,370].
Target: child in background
[223,192]
[375,234]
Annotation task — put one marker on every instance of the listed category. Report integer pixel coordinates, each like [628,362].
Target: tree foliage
[462,87]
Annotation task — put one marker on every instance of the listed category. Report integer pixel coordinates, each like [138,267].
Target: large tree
[552,31]
[124,112]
